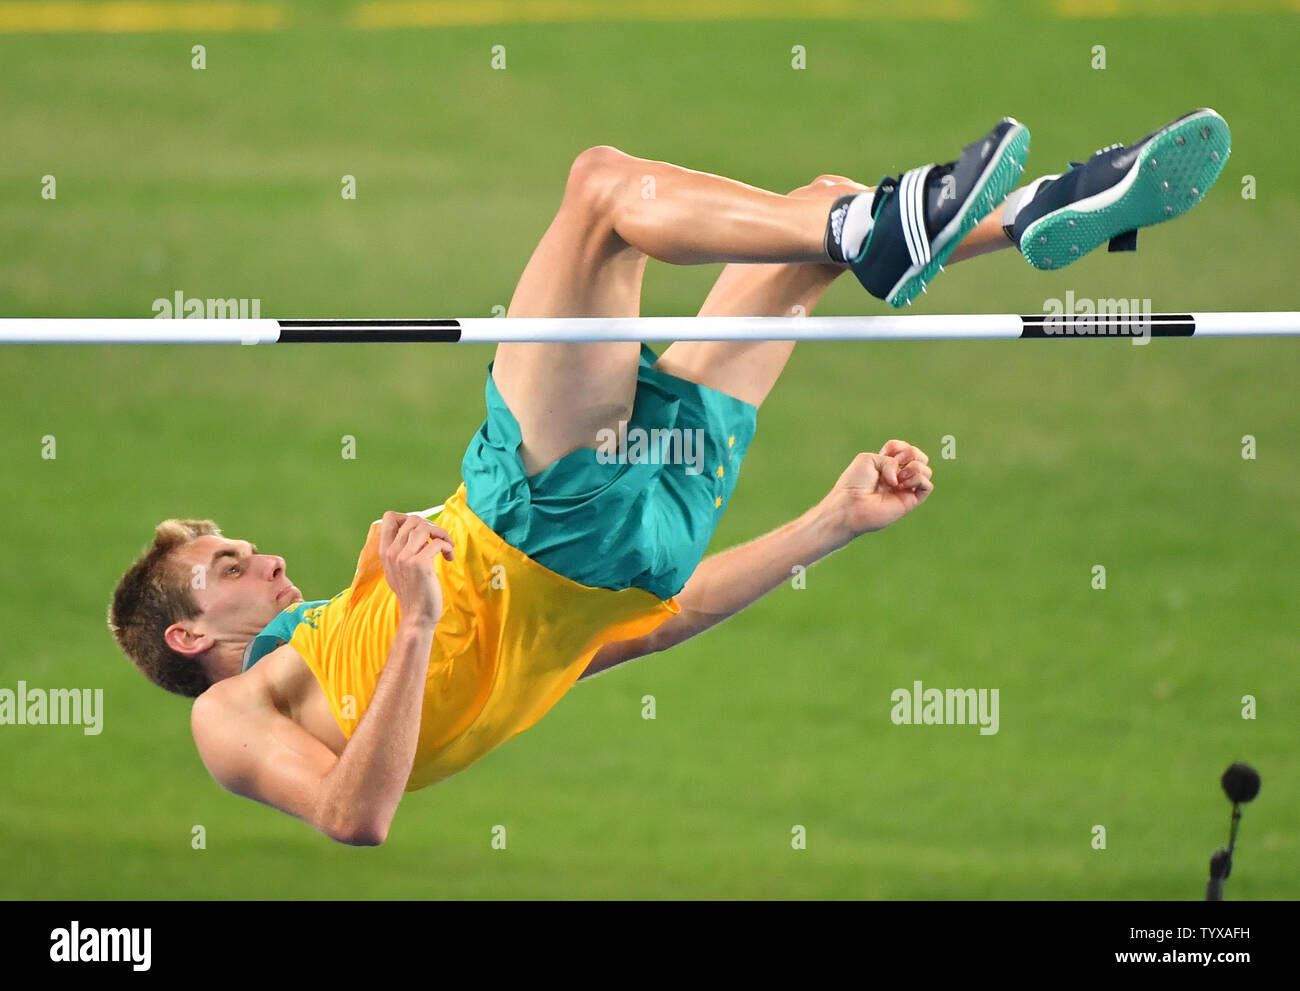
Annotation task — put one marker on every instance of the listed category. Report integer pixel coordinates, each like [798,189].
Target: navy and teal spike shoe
[1121,189]
[922,215]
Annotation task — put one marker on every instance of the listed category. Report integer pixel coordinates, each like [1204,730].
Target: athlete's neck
[224,659]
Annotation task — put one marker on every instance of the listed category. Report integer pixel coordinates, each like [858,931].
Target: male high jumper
[553,560]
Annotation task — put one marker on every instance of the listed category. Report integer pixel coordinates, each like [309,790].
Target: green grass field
[1118,707]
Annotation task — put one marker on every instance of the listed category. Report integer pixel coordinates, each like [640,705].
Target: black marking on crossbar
[368,331]
[1046,326]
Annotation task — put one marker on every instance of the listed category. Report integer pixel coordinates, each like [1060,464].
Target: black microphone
[1241,784]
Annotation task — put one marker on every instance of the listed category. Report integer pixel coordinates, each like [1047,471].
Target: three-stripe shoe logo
[911,208]
[837,221]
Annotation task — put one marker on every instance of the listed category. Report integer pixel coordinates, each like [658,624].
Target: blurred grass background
[1118,707]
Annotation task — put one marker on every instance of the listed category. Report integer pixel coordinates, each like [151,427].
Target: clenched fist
[878,489]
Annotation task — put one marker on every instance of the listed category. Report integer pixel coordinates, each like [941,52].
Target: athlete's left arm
[873,492]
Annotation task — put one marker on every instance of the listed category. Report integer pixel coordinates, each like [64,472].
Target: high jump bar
[495,330]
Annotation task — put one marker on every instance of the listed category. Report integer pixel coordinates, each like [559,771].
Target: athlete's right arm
[255,751]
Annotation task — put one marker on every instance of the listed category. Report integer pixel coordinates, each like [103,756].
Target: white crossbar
[486,330]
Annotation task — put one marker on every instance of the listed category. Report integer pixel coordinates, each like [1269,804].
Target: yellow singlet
[514,637]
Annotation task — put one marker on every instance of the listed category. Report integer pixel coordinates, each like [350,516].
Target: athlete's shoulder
[248,689]
[259,690]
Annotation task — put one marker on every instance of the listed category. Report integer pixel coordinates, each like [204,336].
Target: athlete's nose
[277,567]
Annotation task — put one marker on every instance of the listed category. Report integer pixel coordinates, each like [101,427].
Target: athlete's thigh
[749,369]
[563,394]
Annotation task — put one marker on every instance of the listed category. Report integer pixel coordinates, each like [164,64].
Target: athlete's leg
[749,369]
[617,210]
[987,236]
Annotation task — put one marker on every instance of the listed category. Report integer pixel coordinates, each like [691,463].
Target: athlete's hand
[408,545]
[879,489]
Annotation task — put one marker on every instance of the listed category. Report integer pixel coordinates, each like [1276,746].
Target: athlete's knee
[826,184]
[596,178]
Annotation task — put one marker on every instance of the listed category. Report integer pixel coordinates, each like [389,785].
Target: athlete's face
[238,588]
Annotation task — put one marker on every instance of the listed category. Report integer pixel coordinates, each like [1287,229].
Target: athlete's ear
[185,641]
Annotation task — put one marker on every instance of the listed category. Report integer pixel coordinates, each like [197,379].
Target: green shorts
[637,511]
